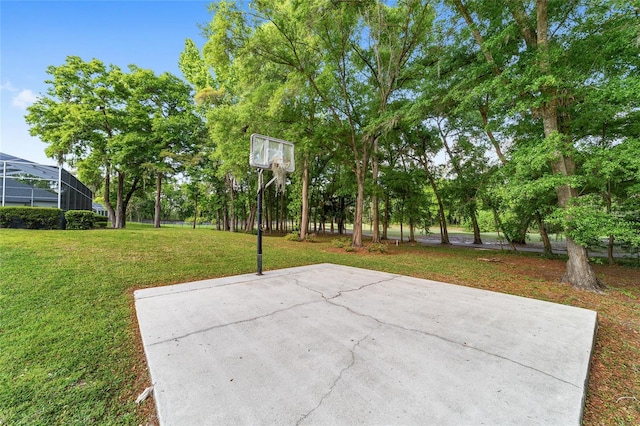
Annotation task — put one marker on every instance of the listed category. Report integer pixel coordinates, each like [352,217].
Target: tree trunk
[444,232]
[385,219]
[227,220]
[195,211]
[484,113]
[548,249]
[412,230]
[120,218]
[498,222]
[283,222]
[471,200]
[127,199]
[341,217]
[476,228]
[612,260]
[374,197]
[107,200]
[608,199]
[356,241]
[252,218]
[156,212]
[579,272]
[232,212]
[401,220]
[304,218]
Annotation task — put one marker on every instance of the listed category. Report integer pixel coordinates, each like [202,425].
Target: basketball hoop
[277,155]
[279,169]
[266,150]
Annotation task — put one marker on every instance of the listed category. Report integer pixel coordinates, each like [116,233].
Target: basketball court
[329,344]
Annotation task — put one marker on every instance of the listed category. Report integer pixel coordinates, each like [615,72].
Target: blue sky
[36,34]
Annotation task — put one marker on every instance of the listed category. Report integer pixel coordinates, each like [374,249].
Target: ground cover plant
[70,352]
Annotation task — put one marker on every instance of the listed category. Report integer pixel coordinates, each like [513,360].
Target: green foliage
[199,220]
[100,221]
[515,226]
[193,67]
[341,242]
[588,223]
[292,237]
[108,123]
[209,96]
[486,222]
[30,217]
[377,247]
[80,219]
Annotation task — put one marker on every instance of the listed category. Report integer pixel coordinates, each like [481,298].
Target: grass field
[70,352]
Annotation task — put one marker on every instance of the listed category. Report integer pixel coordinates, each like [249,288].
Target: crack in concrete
[425,333]
[204,330]
[297,283]
[191,290]
[364,286]
[341,292]
[335,382]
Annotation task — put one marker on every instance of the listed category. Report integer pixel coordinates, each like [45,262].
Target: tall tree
[422,144]
[80,117]
[112,123]
[535,51]
[174,132]
[397,37]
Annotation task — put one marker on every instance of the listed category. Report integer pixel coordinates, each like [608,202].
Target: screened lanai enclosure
[25,183]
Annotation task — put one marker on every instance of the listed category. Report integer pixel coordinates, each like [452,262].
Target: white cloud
[24,99]
[8,86]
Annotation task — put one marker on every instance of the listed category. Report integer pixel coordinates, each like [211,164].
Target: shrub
[381,248]
[100,221]
[30,217]
[80,219]
[341,242]
[292,237]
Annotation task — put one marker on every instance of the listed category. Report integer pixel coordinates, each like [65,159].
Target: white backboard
[265,150]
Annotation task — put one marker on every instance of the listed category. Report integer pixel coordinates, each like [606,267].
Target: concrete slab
[329,344]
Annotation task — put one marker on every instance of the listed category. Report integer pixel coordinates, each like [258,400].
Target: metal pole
[260,189]
[60,188]
[4,181]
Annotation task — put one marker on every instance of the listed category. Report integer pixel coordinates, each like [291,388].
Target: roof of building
[11,166]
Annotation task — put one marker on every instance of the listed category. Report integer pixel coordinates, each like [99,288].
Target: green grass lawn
[68,346]
[70,352]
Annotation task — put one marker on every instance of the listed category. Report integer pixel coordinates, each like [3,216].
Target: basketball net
[279,169]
